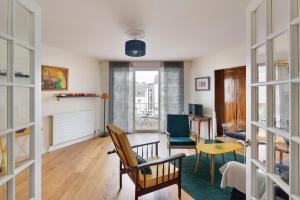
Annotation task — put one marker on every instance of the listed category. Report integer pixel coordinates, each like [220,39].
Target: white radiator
[68,127]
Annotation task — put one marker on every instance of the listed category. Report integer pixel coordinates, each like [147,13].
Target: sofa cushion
[236,135]
[182,141]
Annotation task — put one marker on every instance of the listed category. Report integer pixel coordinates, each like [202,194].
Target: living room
[149,99]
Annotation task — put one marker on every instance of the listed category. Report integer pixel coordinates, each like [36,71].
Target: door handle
[248,143]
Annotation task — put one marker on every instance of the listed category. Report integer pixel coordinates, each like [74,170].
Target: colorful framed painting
[54,78]
[202,84]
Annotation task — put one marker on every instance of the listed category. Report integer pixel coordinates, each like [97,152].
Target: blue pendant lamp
[135,47]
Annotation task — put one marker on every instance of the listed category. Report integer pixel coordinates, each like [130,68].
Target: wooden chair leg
[169,150]
[179,189]
[234,154]
[120,178]
[197,161]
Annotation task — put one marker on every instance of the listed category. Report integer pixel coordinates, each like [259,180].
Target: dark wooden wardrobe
[230,97]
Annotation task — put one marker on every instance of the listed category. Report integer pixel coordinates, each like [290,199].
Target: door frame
[293,82]
[135,69]
[34,162]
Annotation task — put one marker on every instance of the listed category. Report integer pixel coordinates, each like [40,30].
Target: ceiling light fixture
[135,47]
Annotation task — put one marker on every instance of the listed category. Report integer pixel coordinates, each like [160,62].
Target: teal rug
[198,184]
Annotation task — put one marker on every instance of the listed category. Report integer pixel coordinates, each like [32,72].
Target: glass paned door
[146,100]
[273,99]
[20,160]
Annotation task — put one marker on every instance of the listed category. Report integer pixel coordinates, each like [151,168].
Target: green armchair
[178,132]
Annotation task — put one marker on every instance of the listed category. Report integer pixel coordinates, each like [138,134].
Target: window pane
[279,194]
[22,65]
[22,146]
[3,192]
[295,75]
[260,182]
[281,57]
[261,64]
[4,16]
[261,100]
[261,139]
[281,107]
[281,157]
[23,185]
[23,24]
[260,21]
[3,156]
[280,14]
[3,108]
[22,105]
[3,60]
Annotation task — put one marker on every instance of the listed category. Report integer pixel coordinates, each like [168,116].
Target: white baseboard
[65,144]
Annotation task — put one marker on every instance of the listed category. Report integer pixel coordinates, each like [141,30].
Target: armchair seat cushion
[181,141]
[163,175]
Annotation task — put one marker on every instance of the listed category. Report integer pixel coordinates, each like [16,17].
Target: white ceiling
[175,29]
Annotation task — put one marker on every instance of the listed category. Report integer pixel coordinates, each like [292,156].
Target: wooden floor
[84,171]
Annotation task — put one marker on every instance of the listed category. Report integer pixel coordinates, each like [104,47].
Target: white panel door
[273,78]
[20,158]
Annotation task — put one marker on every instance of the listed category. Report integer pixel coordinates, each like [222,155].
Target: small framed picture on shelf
[202,84]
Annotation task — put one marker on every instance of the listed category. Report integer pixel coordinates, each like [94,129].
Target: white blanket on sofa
[234,175]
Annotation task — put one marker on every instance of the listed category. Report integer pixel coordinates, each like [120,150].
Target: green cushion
[140,160]
[178,125]
[182,141]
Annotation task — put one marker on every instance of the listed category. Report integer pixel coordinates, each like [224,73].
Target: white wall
[84,76]
[205,66]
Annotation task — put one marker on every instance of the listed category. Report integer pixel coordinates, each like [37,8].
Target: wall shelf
[58,97]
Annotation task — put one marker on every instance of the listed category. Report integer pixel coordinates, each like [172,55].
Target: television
[196,110]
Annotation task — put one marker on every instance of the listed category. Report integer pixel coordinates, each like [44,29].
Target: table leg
[198,161]
[234,155]
[199,126]
[208,129]
[212,166]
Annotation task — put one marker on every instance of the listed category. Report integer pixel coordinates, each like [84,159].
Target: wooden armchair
[164,172]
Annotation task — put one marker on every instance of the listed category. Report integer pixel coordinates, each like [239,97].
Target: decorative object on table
[54,78]
[73,95]
[165,172]
[202,84]
[178,132]
[104,97]
[135,47]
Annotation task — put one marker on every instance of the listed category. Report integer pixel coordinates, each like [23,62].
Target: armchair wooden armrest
[155,162]
[163,160]
[167,133]
[145,144]
[141,145]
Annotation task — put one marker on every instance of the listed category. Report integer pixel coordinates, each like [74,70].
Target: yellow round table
[215,149]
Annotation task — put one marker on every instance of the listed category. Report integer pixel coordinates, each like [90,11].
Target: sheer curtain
[172,90]
[121,95]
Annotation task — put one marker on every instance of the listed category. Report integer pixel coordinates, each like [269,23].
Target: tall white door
[273,78]
[20,29]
